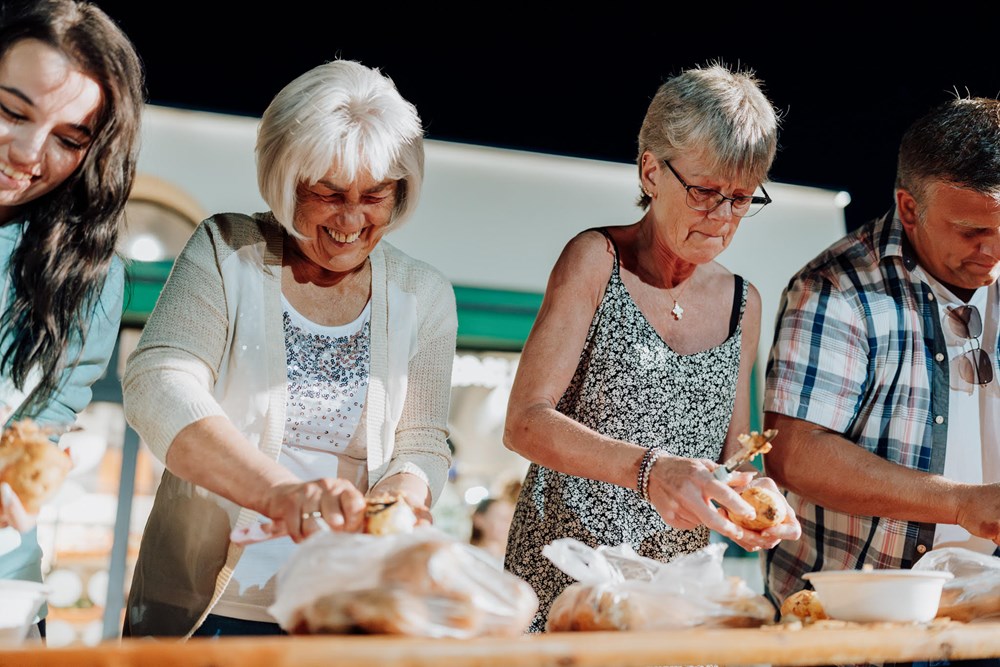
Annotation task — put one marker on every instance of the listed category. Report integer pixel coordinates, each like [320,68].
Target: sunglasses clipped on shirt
[975,365]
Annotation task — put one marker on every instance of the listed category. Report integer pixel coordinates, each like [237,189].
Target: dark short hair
[957,142]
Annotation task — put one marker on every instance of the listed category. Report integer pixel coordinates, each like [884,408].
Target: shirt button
[939,356]
[921,549]
[930,296]
[939,419]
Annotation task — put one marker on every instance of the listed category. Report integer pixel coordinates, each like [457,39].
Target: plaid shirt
[858,349]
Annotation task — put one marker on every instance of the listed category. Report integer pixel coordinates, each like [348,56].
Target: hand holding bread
[33,468]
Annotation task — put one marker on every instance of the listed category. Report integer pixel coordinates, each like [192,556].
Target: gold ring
[312,515]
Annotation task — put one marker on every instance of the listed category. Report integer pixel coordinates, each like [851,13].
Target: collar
[892,241]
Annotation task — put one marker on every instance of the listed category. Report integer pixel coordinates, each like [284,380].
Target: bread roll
[803,606]
[31,464]
[373,611]
[770,507]
[960,603]
[588,608]
[388,514]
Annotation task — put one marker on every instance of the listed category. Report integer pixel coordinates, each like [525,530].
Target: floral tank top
[631,386]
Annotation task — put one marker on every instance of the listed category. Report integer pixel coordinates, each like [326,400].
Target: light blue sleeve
[74,392]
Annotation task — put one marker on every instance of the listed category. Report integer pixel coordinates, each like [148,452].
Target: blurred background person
[71,100]
[490,525]
[634,382]
[295,360]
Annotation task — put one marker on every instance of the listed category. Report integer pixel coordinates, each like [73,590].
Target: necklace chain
[677,311]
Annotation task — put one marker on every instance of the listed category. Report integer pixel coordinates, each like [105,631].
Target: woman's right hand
[299,507]
[682,490]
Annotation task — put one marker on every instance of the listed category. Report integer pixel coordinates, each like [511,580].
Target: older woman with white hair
[294,362]
[634,384]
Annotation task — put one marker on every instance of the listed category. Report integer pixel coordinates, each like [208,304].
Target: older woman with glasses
[634,383]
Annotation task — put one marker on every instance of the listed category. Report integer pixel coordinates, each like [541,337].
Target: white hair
[339,113]
[720,112]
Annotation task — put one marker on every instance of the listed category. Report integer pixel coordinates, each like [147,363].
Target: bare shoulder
[585,260]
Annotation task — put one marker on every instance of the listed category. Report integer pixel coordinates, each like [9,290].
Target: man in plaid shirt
[882,376]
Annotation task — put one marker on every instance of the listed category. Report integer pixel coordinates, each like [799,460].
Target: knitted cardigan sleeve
[421,438]
[169,377]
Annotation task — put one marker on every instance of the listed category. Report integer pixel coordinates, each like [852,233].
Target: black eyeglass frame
[979,359]
[763,201]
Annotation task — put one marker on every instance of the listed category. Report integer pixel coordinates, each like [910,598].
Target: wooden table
[772,646]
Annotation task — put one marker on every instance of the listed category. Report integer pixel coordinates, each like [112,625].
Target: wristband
[645,467]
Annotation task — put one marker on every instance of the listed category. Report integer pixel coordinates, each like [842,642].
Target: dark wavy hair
[72,232]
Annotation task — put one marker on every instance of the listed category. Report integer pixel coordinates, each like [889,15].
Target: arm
[817,374]
[168,395]
[546,367]
[421,457]
[74,393]
[101,334]
[829,470]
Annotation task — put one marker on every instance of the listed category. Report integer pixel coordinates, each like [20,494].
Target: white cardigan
[214,345]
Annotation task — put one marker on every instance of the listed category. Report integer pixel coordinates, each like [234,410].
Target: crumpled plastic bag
[423,584]
[974,593]
[617,589]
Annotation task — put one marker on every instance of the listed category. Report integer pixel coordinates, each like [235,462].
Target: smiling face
[48,111]
[697,237]
[343,221]
[957,240]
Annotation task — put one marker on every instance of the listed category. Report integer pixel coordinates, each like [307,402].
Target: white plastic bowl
[21,601]
[866,596]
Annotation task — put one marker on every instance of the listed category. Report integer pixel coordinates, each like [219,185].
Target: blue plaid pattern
[858,349]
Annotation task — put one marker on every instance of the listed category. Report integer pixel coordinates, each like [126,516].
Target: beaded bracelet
[645,467]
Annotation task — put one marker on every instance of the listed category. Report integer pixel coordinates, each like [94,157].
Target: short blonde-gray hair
[719,112]
[342,113]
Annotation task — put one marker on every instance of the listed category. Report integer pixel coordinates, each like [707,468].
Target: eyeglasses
[707,199]
[976,366]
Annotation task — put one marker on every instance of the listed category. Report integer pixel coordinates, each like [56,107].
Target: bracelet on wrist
[645,467]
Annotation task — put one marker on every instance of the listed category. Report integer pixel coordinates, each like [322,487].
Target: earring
[645,191]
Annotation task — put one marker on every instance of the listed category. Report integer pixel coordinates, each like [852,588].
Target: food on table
[612,606]
[804,606]
[769,505]
[31,464]
[388,514]
[431,588]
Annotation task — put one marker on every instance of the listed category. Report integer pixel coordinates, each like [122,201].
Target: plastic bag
[424,584]
[974,593]
[617,589]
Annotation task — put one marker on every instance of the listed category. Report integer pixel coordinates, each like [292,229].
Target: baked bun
[587,608]
[770,507]
[31,464]
[372,611]
[967,605]
[803,606]
[388,514]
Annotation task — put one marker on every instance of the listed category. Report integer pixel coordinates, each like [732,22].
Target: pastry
[31,464]
[803,606]
[769,505]
[388,514]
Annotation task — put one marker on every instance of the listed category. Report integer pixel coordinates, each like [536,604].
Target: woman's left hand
[414,489]
[788,529]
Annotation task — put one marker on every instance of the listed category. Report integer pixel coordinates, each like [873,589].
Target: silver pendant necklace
[677,311]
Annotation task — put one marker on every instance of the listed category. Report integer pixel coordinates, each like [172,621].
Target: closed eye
[10,113]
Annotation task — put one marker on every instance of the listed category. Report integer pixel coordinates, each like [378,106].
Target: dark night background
[846,81]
